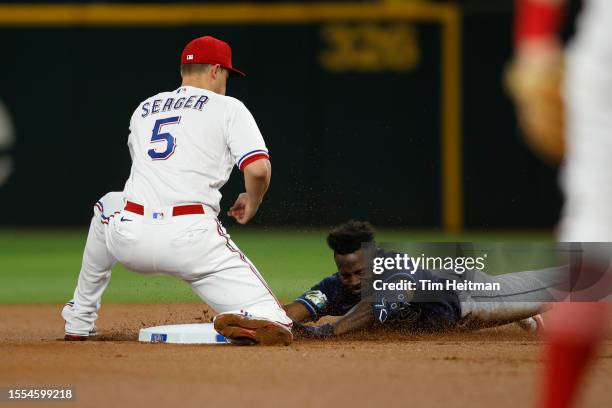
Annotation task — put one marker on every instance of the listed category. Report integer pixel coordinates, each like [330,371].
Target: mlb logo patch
[158,338]
[158,215]
[189,57]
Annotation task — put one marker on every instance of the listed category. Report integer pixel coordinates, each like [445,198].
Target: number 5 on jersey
[157,137]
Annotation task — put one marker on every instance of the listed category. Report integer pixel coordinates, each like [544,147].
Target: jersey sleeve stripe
[313,312]
[536,20]
[250,154]
[251,159]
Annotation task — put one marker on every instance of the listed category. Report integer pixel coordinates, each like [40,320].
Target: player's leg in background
[522,295]
[81,312]
[229,283]
[575,329]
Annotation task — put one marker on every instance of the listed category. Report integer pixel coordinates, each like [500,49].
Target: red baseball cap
[209,50]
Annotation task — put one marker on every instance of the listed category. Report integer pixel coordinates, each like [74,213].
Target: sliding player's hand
[325,330]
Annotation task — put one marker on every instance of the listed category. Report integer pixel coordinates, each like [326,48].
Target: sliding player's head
[346,240]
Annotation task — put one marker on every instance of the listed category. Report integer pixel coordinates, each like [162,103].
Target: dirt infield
[483,369]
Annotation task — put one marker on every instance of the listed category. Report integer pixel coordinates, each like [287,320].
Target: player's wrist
[544,51]
[255,199]
[327,330]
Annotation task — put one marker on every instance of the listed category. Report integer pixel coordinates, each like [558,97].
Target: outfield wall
[369,111]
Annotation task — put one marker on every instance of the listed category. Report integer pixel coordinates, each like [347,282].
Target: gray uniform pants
[521,295]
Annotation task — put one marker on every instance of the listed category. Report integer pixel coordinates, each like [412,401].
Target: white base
[202,333]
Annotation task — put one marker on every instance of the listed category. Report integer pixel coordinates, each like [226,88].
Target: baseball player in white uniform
[184,144]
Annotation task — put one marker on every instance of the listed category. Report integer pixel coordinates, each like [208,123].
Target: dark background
[363,145]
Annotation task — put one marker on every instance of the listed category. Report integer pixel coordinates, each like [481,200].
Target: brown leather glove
[534,83]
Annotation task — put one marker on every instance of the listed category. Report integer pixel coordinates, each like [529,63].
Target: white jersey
[587,170]
[184,145]
[595,28]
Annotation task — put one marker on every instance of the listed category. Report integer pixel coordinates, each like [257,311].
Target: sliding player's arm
[297,312]
[359,317]
[312,304]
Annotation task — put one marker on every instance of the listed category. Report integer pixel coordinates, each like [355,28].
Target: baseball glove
[535,86]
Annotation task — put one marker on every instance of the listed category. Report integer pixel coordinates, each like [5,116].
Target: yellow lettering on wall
[370,47]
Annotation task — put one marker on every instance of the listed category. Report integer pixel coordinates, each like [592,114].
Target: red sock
[566,365]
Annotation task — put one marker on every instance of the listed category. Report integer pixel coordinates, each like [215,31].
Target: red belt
[178,210]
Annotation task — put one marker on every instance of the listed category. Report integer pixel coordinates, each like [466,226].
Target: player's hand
[244,209]
[325,330]
[534,80]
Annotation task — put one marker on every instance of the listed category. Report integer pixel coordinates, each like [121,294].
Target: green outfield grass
[42,266]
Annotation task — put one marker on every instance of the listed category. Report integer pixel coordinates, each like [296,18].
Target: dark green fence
[352,112]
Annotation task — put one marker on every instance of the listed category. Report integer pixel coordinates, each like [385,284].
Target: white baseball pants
[195,248]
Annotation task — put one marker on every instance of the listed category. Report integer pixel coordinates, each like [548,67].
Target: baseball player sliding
[184,144]
[519,299]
